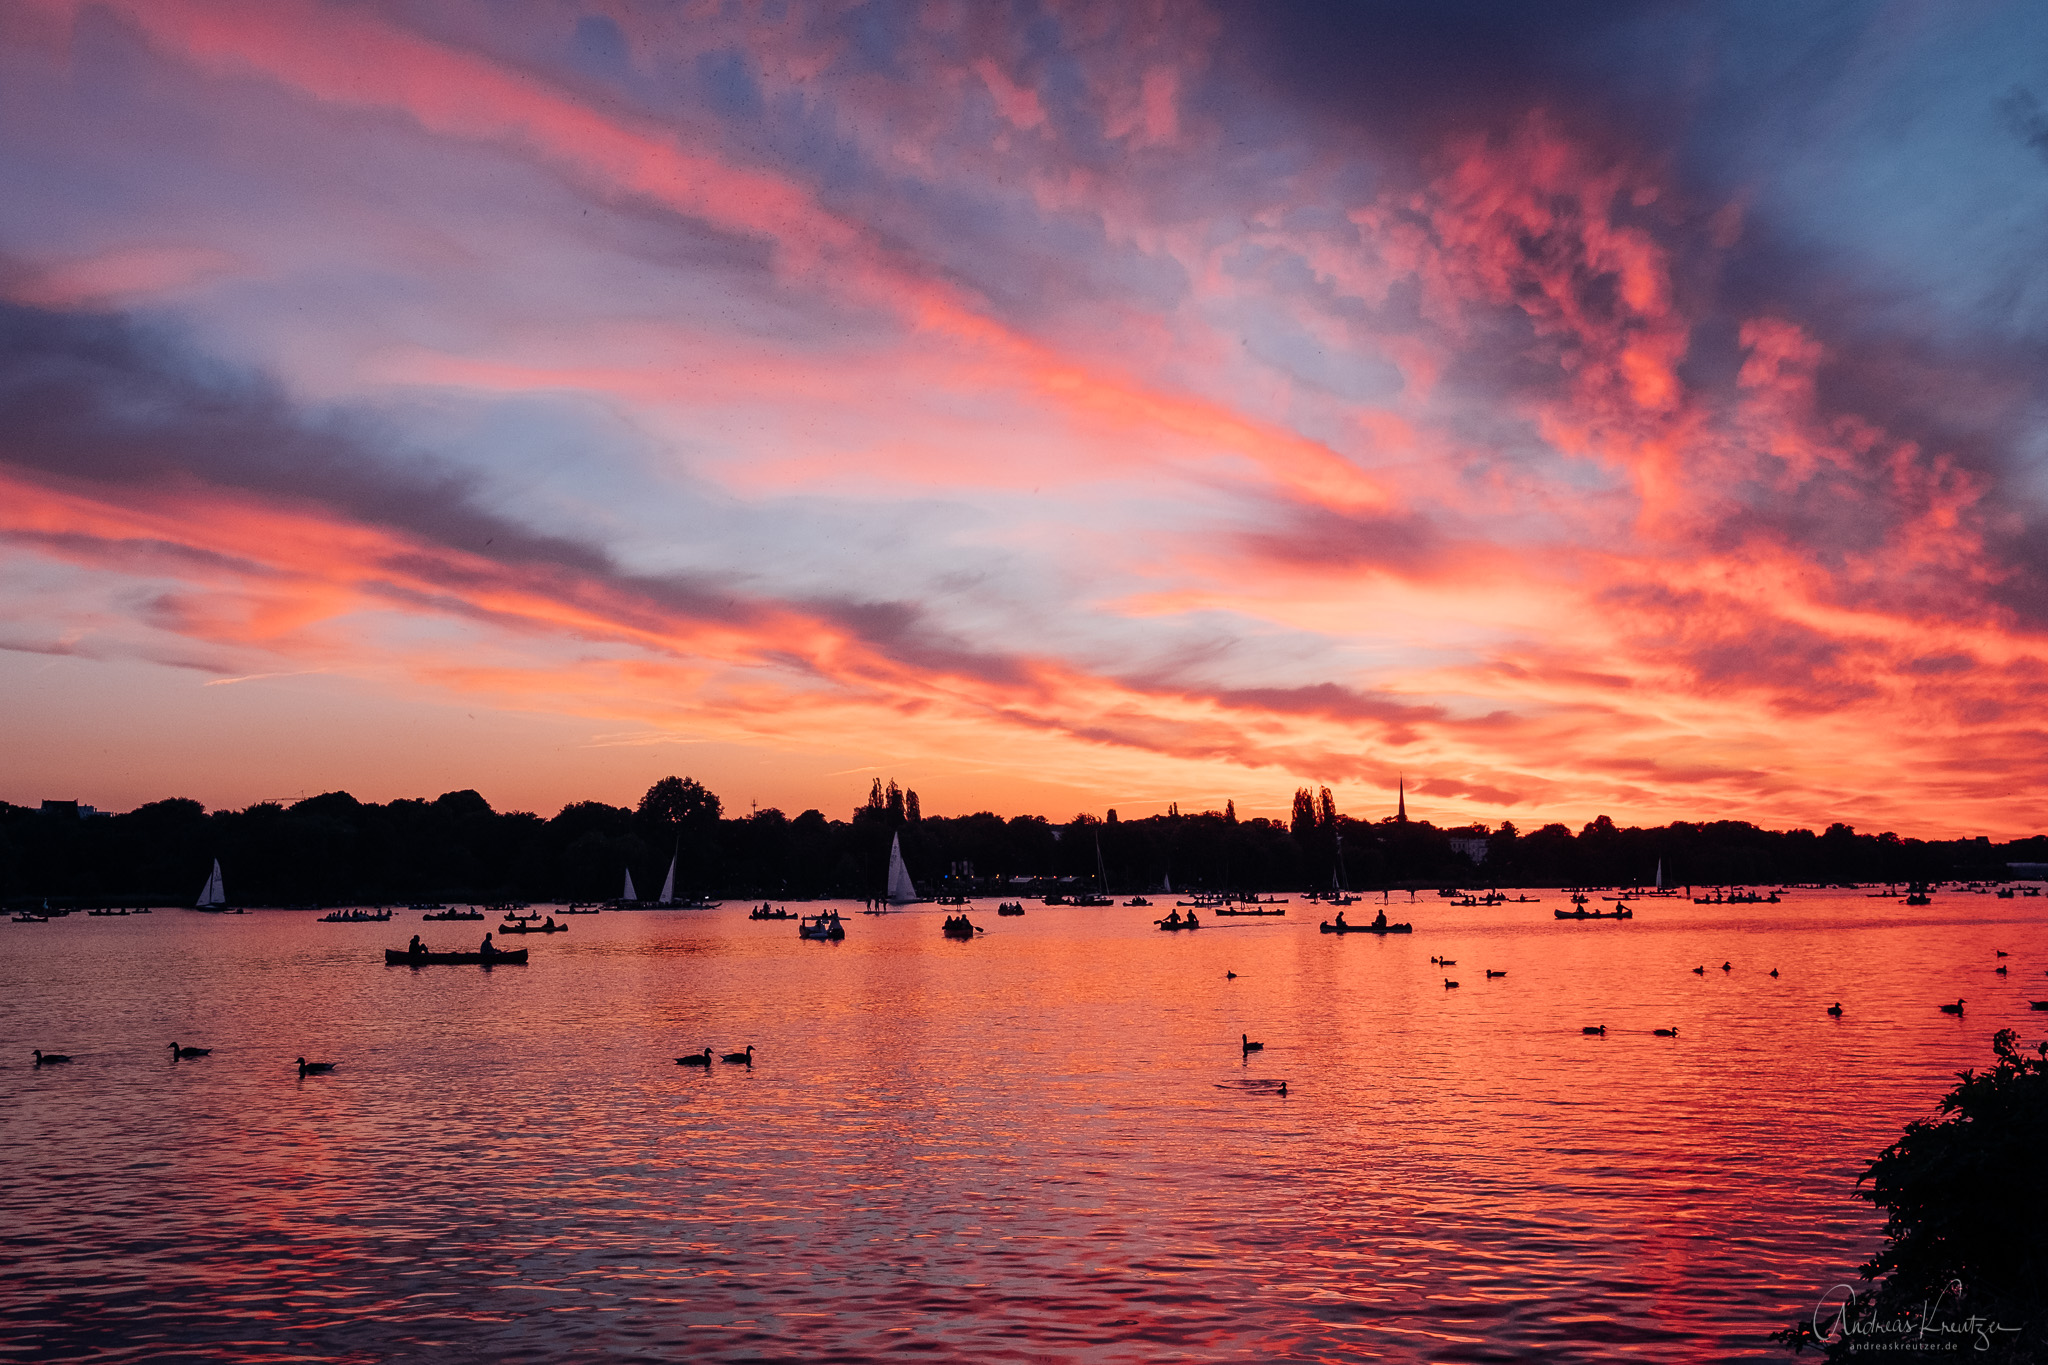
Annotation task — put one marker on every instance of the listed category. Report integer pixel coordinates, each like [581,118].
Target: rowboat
[398,957]
[1223,910]
[1583,913]
[533,928]
[455,914]
[823,928]
[1329,928]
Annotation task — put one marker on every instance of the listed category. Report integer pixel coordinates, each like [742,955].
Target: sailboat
[668,883]
[211,897]
[1101,893]
[902,890]
[629,896]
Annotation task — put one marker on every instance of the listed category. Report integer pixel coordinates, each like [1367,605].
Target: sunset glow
[1099,407]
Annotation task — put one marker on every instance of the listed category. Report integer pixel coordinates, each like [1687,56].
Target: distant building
[1473,848]
[65,810]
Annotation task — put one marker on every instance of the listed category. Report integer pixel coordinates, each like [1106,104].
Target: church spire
[1400,800]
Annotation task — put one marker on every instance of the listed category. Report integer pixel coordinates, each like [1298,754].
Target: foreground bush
[1965,1261]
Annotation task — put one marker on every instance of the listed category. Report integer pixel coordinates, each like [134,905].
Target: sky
[1571,409]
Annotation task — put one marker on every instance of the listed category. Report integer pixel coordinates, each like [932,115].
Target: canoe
[1329,928]
[398,957]
[455,914]
[1170,927]
[1220,911]
[533,928]
[1594,914]
[959,931]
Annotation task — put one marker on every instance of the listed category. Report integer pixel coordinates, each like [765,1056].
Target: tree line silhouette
[333,849]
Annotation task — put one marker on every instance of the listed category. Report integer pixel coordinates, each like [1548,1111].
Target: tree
[678,801]
[1967,1232]
[910,808]
[1303,821]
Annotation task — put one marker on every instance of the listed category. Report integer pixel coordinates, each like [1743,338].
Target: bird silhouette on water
[1836,1009]
[50,1058]
[1597,1029]
[189,1052]
[1956,1008]
[307,1068]
[1249,1045]
[741,1058]
[1449,984]
[1665,1032]
[696,1059]
[1699,971]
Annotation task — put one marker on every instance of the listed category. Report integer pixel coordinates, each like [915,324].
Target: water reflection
[1045,1142]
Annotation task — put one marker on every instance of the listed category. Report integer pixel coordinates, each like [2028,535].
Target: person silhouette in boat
[1191,919]
[550,924]
[1173,919]
[488,947]
[1340,921]
[416,948]
[1379,920]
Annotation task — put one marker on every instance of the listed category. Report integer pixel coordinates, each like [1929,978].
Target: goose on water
[2001,969]
[1230,976]
[1836,1009]
[177,1051]
[1956,1008]
[1774,971]
[1727,966]
[1449,984]
[1600,1029]
[2002,952]
[1445,961]
[742,1058]
[1249,1045]
[50,1058]
[1490,973]
[307,1068]
[1665,1032]
[1699,971]
[696,1059]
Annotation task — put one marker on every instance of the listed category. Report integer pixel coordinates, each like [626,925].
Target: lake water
[1045,1144]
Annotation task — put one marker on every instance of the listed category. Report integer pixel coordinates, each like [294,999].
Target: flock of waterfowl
[186,1054]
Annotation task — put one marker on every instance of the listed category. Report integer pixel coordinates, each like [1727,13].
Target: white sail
[630,894]
[211,893]
[1660,874]
[1166,883]
[902,891]
[1101,876]
[668,883]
